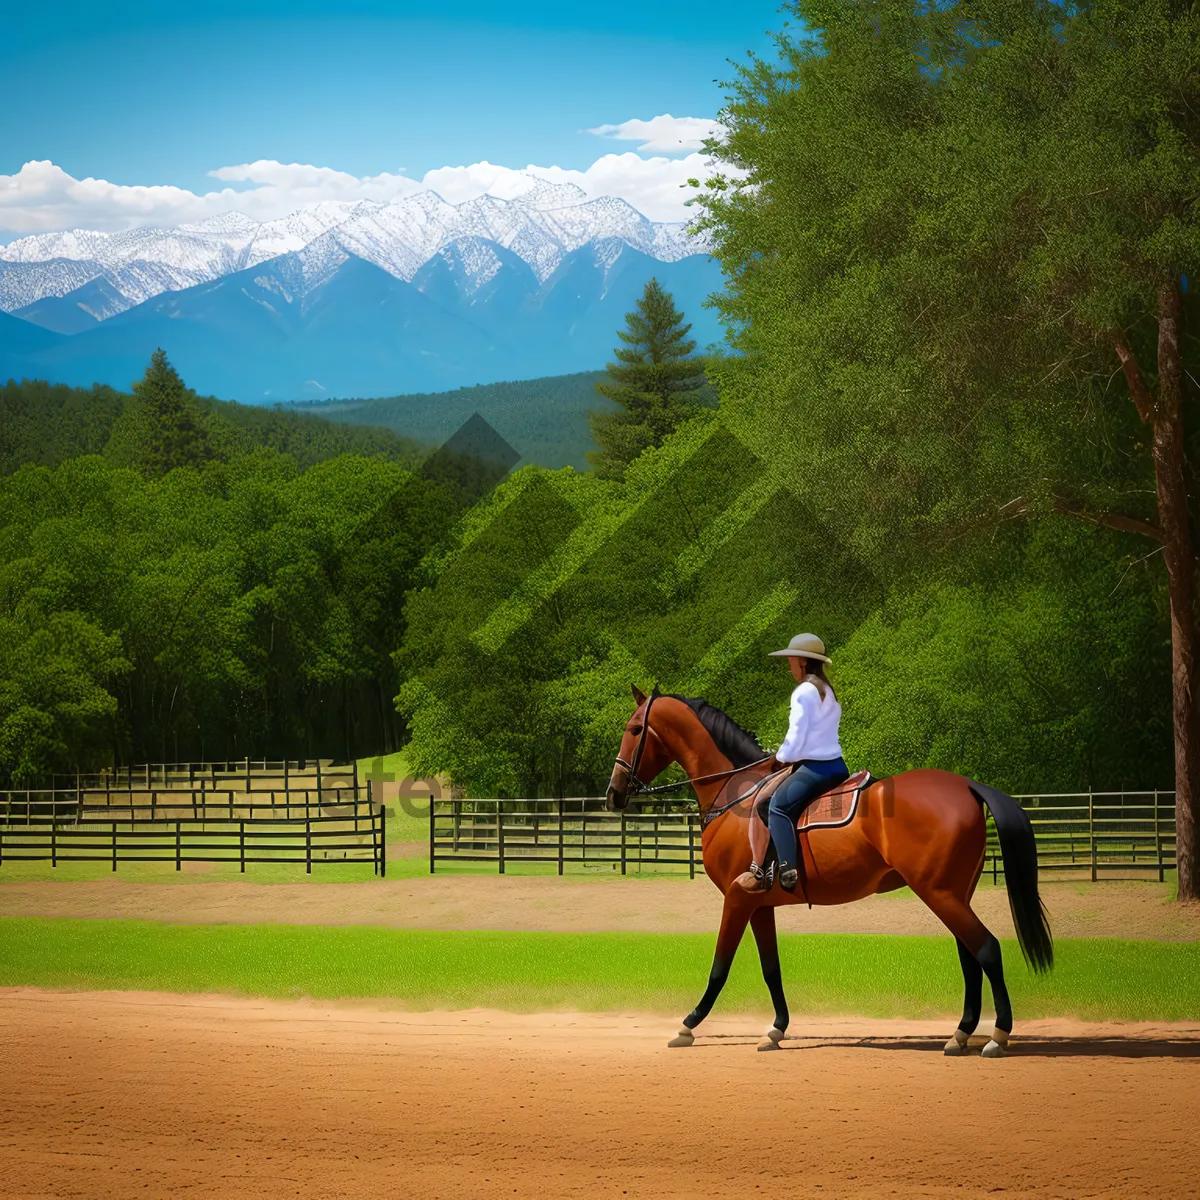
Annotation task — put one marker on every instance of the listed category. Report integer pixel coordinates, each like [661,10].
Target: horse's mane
[738,745]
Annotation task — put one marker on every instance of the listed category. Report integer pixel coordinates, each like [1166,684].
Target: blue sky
[151,94]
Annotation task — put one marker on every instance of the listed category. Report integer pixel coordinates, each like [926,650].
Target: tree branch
[1142,398]
[1109,520]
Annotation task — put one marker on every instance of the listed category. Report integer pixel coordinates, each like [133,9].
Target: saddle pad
[836,807]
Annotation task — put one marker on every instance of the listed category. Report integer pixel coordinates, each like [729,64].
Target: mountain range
[351,299]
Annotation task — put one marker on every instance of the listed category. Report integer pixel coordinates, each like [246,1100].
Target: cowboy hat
[803,645]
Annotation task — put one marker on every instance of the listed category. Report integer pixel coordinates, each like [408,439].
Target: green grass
[826,973]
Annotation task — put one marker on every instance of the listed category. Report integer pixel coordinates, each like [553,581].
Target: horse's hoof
[775,1034]
[998,1046]
[768,1044]
[685,1037]
[957,1045]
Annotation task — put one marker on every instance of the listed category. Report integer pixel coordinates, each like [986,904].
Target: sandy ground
[1105,909]
[144,1094]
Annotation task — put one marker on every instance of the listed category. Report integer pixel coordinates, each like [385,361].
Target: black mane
[738,745]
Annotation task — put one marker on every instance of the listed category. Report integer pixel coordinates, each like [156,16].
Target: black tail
[1018,850]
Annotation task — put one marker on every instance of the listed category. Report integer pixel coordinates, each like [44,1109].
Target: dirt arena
[113,1094]
[143,1094]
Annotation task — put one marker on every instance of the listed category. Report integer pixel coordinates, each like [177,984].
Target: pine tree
[653,381]
[169,434]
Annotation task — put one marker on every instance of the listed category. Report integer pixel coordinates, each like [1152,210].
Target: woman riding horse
[812,745]
[926,829]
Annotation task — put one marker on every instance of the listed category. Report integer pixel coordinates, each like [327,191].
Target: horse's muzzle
[615,800]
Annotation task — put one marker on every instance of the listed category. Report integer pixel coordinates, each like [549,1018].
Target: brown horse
[925,829]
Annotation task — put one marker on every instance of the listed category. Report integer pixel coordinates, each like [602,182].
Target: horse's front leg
[734,917]
[763,924]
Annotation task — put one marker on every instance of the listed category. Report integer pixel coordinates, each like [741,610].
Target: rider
[812,745]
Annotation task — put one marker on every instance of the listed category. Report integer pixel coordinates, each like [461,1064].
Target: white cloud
[42,198]
[656,187]
[663,134]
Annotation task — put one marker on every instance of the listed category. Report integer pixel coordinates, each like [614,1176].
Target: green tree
[954,236]
[161,429]
[654,381]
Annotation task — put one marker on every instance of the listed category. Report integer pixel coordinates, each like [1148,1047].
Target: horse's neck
[697,753]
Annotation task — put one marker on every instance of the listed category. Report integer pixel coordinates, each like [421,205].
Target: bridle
[639,788]
[635,787]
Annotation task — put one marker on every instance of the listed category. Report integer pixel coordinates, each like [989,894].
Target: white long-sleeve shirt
[813,726]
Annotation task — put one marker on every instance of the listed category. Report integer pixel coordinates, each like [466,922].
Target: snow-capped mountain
[347,299]
[538,221]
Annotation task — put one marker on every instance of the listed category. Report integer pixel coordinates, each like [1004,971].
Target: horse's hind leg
[972,999]
[734,916]
[982,947]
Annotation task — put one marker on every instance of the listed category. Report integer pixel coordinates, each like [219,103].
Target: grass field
[878,976]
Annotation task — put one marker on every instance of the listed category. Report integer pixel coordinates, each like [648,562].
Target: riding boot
[789,876]
[753,880]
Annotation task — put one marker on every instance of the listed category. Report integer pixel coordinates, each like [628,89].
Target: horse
[925,829]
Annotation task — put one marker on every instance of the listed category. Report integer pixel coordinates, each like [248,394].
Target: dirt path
[1106,909]
[144,1094]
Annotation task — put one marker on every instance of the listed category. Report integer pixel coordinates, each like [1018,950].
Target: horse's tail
[1018,851]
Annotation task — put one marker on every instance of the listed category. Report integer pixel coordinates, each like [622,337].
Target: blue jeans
[811,777]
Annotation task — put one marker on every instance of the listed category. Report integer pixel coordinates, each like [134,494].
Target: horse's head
[642,756]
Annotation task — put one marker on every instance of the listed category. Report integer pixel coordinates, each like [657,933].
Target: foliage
[945,213]
[237,607]
[653,382]
[44,424]
[1044,681]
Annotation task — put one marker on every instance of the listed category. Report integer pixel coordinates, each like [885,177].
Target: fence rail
[1097,832]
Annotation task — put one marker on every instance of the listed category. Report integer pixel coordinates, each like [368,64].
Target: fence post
[307,842]
[432,805]
[691,846]
[178,844]
[53,837]
[114,845]
[1092,830]
[500,832]
[623,842]
[1157,839]
[383,839]
[561,823]
[242,844]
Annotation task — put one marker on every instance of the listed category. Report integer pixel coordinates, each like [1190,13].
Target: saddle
[826,810]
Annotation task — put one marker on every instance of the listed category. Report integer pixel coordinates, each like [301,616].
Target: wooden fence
[1094,833]
[559,832]
[222,813]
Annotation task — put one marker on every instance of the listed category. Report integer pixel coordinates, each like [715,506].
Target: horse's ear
[639,697]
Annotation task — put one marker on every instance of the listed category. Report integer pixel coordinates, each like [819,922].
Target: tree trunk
[1179,554]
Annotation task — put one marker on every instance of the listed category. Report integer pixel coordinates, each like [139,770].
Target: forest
[952,429]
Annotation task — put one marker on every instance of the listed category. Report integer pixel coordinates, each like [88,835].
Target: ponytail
[815,672]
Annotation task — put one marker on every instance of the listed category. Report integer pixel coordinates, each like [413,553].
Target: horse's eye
[636,730]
